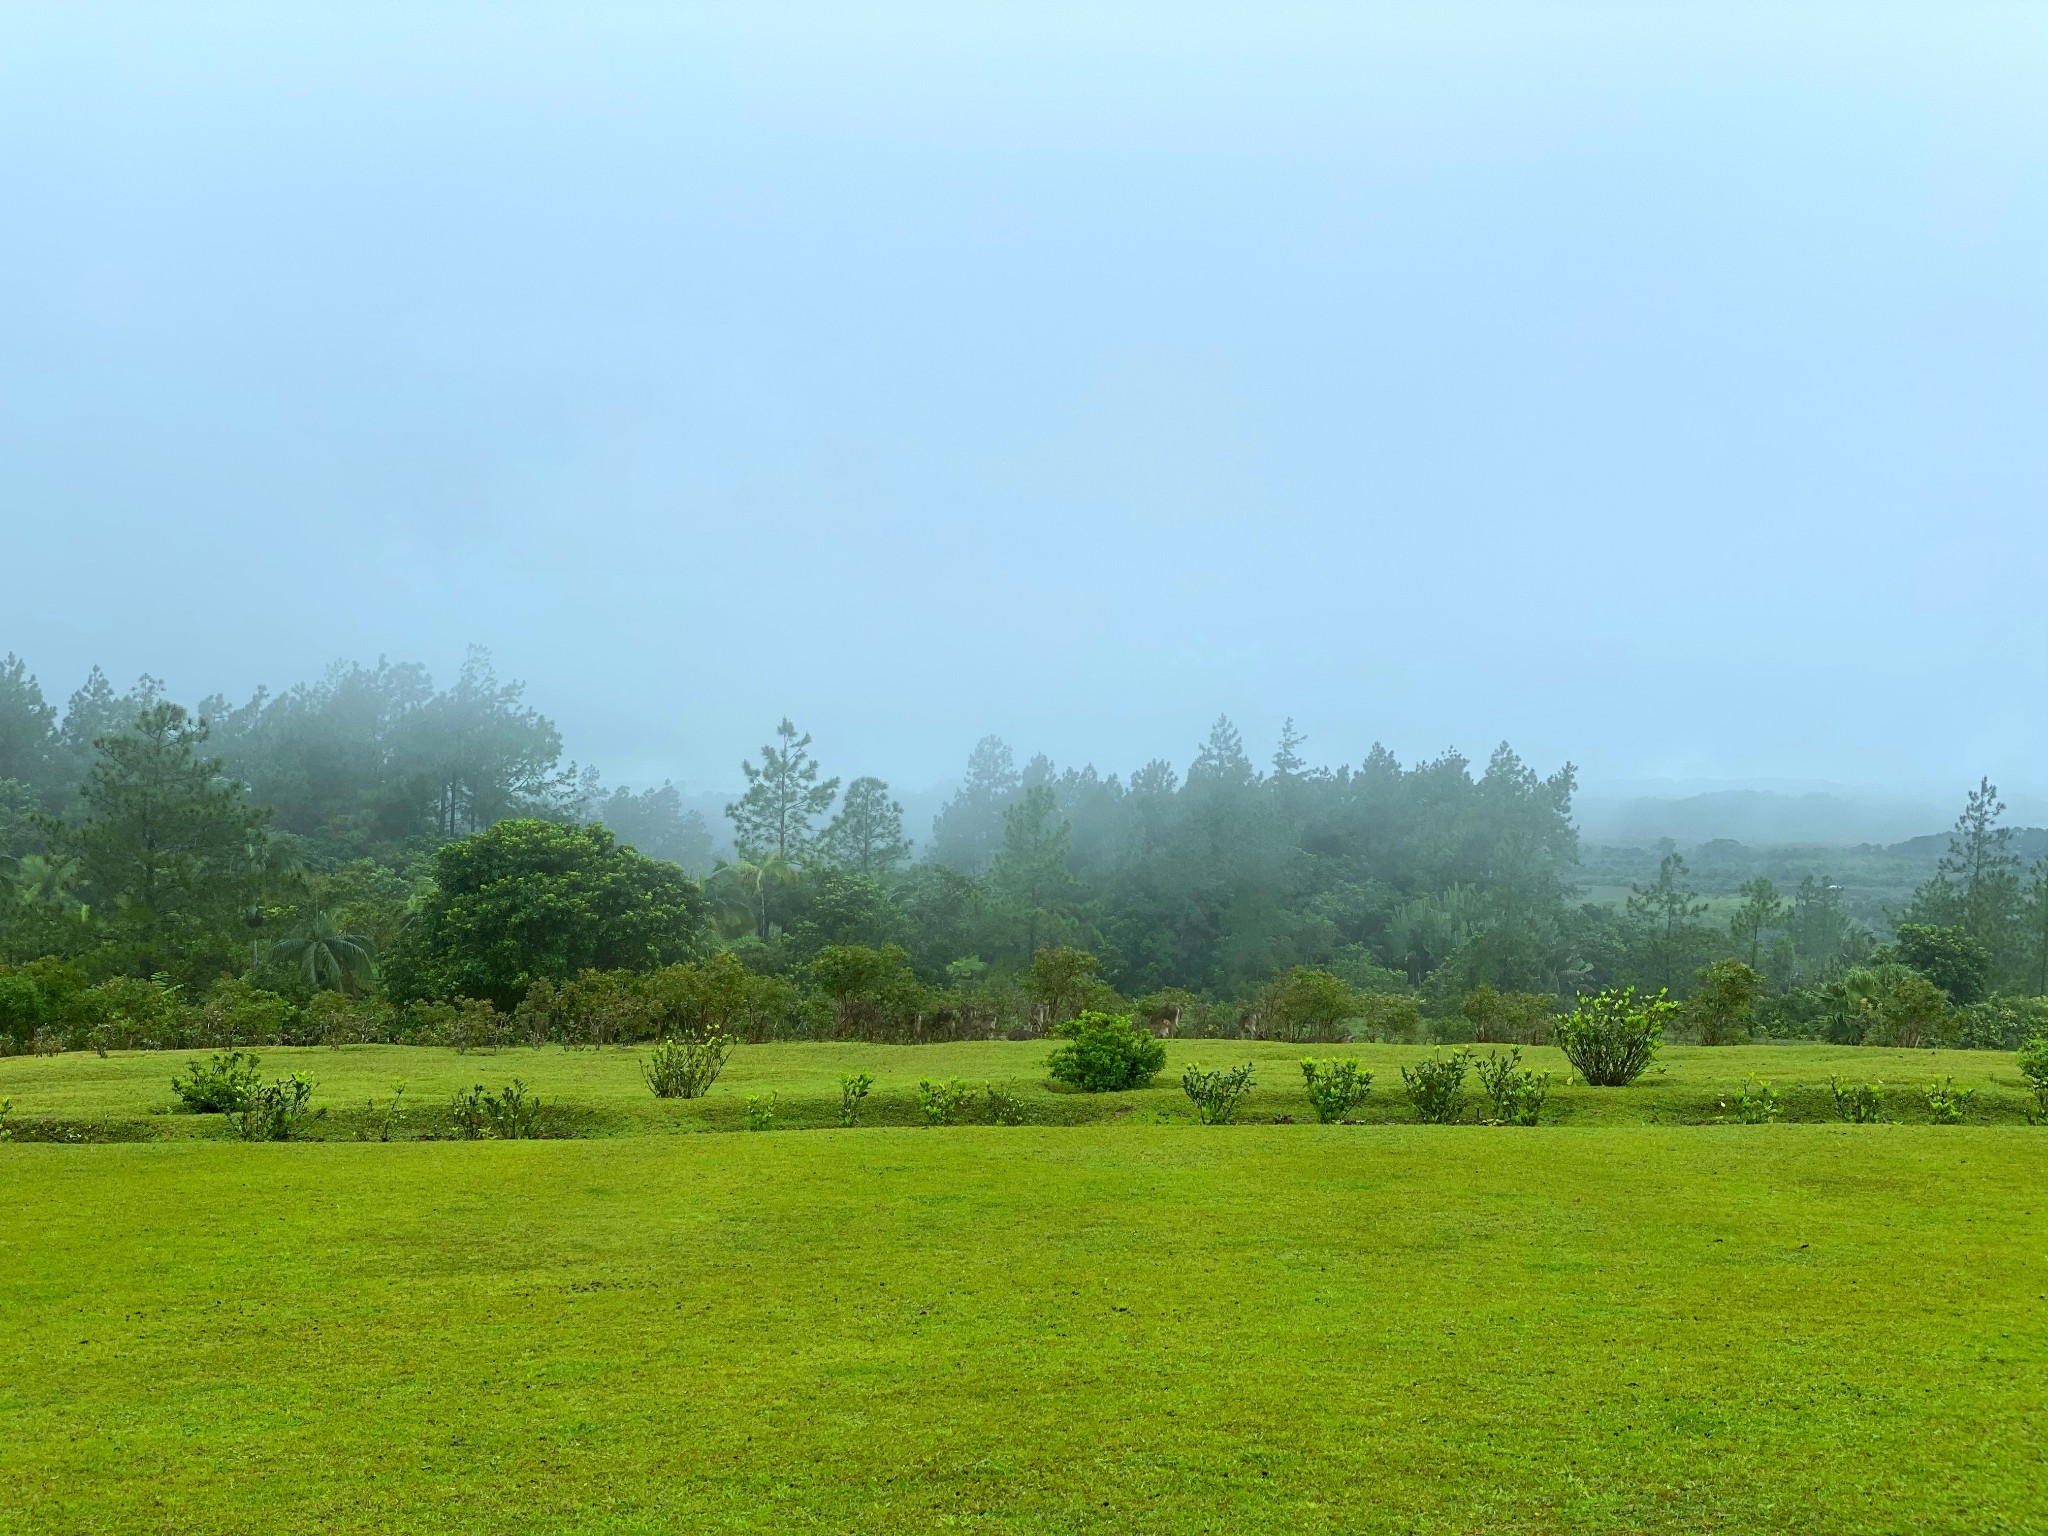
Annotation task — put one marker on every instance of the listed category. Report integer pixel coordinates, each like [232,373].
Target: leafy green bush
[511,1114]
[2034,1068]
[761,1111]
[220,1085]
[466,1112]
[1758,1103]
[853,1093]
[269,1112]
[1859,1103]
[1946,1103]
[1335,1088]
[1436,1087]
[6,1109]
[683,1066]
[1004,1107]
[1612,1037]
[382,1125]
[1106,1053]
[942,1102]
[1216,1095]
[1514,1094]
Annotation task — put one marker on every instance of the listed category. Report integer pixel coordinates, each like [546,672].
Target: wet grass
[1126,1327]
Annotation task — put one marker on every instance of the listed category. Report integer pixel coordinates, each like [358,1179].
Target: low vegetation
[1612,1038]
[1105,1053]
[1218,1094]
[1436,1087]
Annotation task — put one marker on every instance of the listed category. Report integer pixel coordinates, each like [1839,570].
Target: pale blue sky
[1661,387]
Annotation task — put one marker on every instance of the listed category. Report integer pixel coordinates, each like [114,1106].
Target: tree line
[375,837]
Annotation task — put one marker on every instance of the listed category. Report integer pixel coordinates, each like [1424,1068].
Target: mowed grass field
[1603,1325]
[603,1092]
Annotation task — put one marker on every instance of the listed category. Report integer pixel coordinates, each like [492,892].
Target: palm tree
[744,893]
[325,956]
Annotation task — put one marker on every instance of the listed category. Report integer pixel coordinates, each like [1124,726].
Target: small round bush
[1106,1053]
[1611,1038]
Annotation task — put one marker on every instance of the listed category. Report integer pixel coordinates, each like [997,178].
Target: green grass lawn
[130,1093]
[1109,1328]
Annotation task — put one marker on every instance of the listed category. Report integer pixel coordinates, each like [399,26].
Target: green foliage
[784,798]
[684,1066]
[1899,1006]
[466,1112]
[2033,1064]
[220,1085]
[867,834]
[533,900]
[1335,1088]
[1722,1008]
[942,1103]
[1758,1103]
[1436,1087]
[510,1114]
[24,1009]
[1004,1107]
[761,1111]
[1858,1103]
[168,845]
[853,1094]
[1521,1018]
[1946,1103]
[873,992]
[1106,1053]
[1303,1004]
[1612,1037]
[6,1109]
[1058,982]
[268,1112]
[383,1124]
[1216,1095]
[1514,1094]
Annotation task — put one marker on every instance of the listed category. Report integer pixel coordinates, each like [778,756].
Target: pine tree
[784,797]
[867,834]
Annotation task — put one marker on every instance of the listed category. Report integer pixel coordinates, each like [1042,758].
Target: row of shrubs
[230,1084]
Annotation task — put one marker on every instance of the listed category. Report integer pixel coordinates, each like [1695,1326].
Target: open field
[129,1094]
[1109,1328]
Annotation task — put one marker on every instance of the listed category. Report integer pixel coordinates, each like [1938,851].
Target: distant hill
[1818,818]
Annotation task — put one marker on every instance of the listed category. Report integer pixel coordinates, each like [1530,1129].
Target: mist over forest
[143,838]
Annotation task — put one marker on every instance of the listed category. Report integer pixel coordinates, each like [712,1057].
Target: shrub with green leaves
[383,1124]
[943,1102]
[761,1111]
[1106,1053]
[2034,1068]
[1217,1095]
[269,1112]
[1946,1103]
[466,1112]
[684,1066]
[853,1093]
[1612,1037]
[1004,1107]
[1335,1088]
[219,1085]
[1758,1103]
[1514,1094]
[1436,1087]
[512,1113]
[1858,1103]
[6,1109]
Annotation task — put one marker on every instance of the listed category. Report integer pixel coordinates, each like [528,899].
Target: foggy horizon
[1656,393]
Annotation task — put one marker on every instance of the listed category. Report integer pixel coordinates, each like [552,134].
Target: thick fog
[1664,392]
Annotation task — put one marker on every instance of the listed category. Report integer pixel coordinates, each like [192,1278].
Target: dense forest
[370,852]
